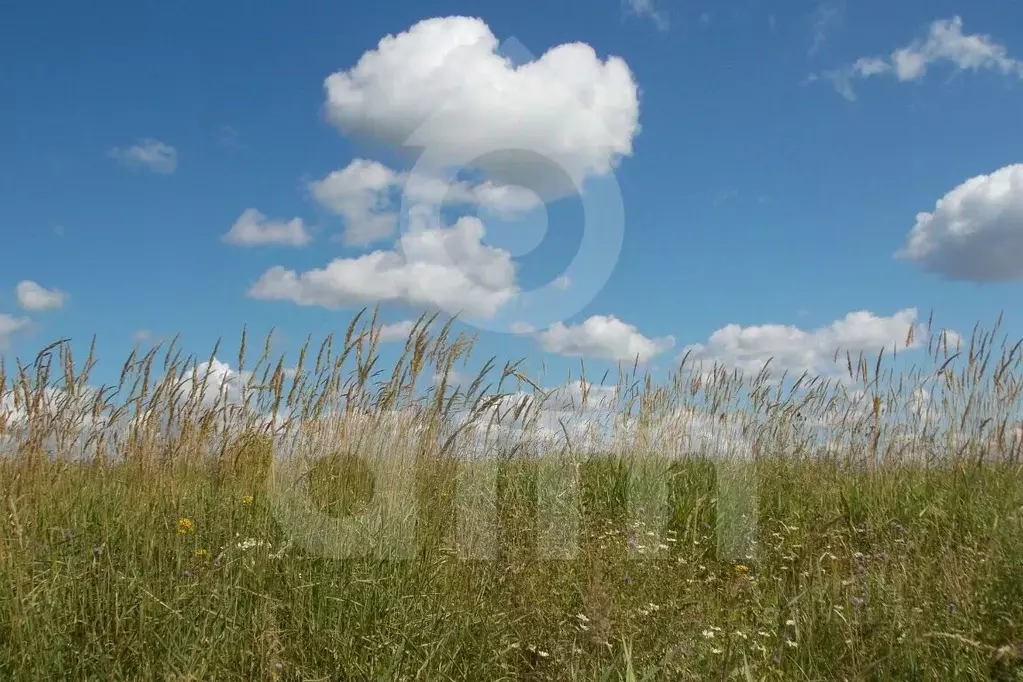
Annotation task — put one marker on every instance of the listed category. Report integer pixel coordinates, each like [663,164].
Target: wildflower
[742,569]
[708,634]
[714,650]
[250,543]
[790,644]
[248,499]
[185,525]
[202,553]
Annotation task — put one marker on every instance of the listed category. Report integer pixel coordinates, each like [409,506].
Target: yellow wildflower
[185,525]
[202,553]
[247,499]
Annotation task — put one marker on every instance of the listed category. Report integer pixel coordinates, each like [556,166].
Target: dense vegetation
[869,527]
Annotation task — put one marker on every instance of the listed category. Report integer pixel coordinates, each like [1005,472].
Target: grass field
[147,532]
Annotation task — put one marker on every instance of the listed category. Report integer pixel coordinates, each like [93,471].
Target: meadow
[705,526]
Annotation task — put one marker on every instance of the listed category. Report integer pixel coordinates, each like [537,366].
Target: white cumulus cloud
[796,350]
[602,336]
[442,85]
[445,268]
[975,232]
[155,155]
[254,229]
[945,43]
[366,195]
[361,194]
[35,298]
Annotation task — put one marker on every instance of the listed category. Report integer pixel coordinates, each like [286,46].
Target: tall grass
[337,519]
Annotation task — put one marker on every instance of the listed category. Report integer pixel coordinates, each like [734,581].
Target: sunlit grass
[148,532]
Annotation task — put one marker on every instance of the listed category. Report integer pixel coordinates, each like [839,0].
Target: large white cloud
[975,232]
[254,229]
[365,192]
[36,298]
[797,350]
[445,268]
[945,43]
[442,85]
[602,336]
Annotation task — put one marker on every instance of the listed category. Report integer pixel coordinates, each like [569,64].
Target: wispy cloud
[646,8]
[154,155]
[945,43]
[8,326]
[826,18]
[229,137]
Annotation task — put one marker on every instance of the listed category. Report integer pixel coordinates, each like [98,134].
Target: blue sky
[769,162]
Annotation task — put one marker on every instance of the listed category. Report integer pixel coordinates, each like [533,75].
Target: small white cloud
[142,335]
[399,331]
[975,232]
[213,383]
[792,349]
[34,298]
[945,43]
[157,156]
[9,325]
[365,194]
[604,337]
[445,268]
[360,193]
[453,377]
[254,229]
[646,8]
